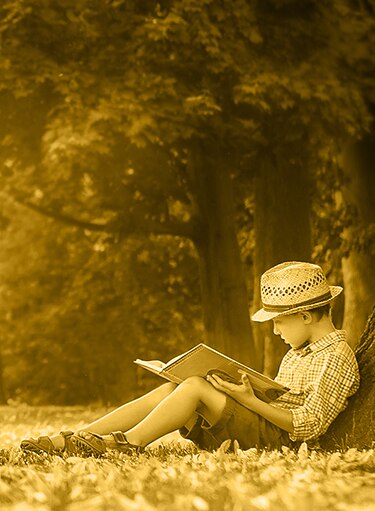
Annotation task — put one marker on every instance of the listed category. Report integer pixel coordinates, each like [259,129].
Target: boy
[320,369]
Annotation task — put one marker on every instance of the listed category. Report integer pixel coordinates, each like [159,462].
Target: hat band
[282,308]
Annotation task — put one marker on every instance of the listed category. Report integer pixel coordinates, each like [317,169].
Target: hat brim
[261,315]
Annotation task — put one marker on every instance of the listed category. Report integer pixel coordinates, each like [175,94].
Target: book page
[175,359]
[156,366]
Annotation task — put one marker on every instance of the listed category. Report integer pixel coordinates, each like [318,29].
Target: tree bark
[223,288]
[282,233]
[355,426]
[358,266]
[3,397]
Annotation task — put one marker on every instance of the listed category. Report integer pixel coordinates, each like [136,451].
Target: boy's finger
[221,382]
[215,380]
[242,372]
[245,379]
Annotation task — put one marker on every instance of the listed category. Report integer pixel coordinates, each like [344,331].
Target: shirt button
[306,351]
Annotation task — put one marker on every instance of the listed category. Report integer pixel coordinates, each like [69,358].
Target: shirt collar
[320,344]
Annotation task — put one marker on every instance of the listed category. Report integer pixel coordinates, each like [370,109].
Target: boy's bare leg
[194,395]
[130,414]
[126,416]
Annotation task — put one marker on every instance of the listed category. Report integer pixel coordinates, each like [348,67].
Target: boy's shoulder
[333,343]
[334,351]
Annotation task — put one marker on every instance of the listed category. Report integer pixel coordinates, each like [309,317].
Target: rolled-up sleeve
[325,397]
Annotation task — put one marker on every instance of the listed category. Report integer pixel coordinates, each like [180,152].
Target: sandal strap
[124,445]
[40,444]
[69,448]
[45,444]
[120,438]
[66,434]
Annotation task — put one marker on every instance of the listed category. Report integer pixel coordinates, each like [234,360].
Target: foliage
[331,216]
[102,104]
[99,80]
[338,225]
[81,309]
[174,474]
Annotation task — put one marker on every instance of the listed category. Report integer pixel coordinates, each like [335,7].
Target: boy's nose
[276,330]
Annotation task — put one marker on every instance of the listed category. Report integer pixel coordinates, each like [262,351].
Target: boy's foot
[50,445]
[96,445]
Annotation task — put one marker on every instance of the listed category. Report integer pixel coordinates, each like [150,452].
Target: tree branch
[112,227]
[126,227]
[167,228]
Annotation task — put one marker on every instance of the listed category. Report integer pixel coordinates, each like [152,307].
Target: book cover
[202,360]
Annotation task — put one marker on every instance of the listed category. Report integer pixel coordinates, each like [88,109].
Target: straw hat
[293,287]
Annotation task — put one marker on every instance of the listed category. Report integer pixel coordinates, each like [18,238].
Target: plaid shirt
[320,376]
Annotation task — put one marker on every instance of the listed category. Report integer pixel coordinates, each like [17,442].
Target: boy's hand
[243,393]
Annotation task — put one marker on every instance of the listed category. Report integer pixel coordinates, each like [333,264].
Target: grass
[173,474]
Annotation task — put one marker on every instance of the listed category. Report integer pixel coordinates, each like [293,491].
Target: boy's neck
[321,328]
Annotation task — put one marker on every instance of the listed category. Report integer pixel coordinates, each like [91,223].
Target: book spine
[170,377]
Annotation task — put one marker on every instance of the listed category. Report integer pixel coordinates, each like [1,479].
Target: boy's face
[293,329]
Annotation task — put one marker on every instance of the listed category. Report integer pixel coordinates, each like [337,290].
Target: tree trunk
[355,426]
[282,233]
[358,266]
[224,295]
[3,398]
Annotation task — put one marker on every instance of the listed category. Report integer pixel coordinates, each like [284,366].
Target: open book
[202,360]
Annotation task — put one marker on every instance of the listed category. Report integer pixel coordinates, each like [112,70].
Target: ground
[173,474]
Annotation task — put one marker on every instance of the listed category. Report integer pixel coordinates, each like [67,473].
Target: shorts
[237,423]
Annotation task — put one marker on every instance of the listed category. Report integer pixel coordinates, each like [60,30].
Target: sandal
[94,445]
[45,444]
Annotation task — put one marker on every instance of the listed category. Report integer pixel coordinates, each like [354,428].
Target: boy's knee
[168,388]
[195,381]
[159,393]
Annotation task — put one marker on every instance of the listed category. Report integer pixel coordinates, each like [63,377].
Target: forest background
[156,158]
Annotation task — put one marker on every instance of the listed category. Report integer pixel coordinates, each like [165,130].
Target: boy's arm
[244,394]
[278,416]
[336,378]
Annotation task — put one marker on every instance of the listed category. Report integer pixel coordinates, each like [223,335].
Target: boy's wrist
[250,401]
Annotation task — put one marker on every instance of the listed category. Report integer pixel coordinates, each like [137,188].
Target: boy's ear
[307,317]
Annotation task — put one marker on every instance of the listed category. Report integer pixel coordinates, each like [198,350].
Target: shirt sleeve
[326,397]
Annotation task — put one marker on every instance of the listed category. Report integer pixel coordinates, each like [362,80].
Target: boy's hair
[319,312]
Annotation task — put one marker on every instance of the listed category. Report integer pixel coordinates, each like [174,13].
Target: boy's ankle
[58,442]
[133,439]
